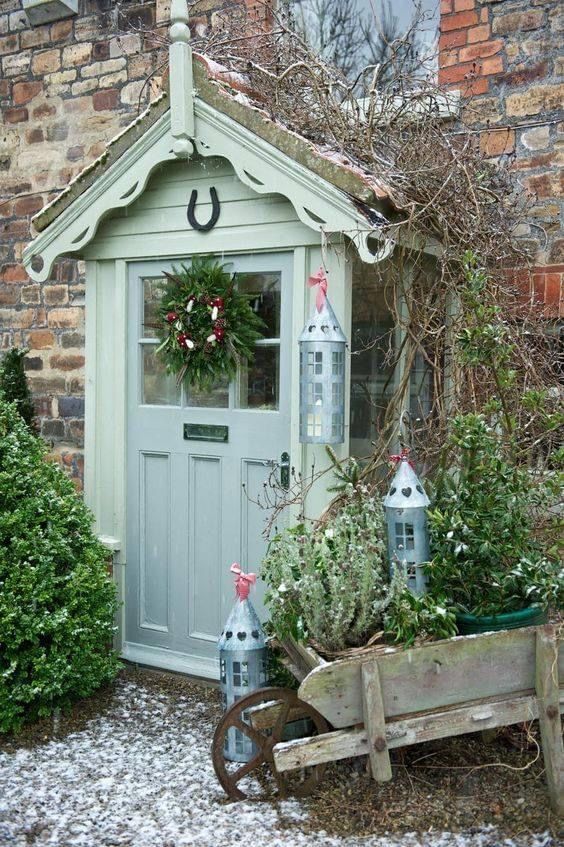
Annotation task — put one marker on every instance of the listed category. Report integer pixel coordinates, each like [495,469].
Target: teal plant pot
[472,624]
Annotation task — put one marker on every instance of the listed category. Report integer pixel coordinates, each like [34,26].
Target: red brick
[540,185]
[461,20]
[480,50]
[67,363]
[35,37]
[4,87]
[105,100]
[9,44]
[28,205]
[34,136]
[446,7]
[61,30]
[497,142]
[457,73]
[41,339]
[44,111]
[463,5]
[525,75]
[16,116]
[13,273]
[484,16]
[474,87]
[452,39]
[491,66]
[478,33]
[9,295]
[553,288]
[100,50]
[23,92]
[448,58]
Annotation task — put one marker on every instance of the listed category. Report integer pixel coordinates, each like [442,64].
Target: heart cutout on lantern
[241,636]
[406,491]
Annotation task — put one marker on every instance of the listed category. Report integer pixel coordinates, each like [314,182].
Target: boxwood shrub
[57,600]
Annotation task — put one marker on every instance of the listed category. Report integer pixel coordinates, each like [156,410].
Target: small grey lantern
[242,661]
[408,537]
[322,377]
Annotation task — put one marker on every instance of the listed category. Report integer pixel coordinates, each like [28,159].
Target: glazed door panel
[191,505]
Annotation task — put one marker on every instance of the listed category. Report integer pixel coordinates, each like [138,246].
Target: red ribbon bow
[403,455]
[319,278]
[243,581]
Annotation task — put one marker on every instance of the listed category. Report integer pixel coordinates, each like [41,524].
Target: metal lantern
[242,661]
[322,377]
[408,537]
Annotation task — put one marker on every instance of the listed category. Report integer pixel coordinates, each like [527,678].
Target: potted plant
[486,559]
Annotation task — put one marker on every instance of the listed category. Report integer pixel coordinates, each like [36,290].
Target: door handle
[285,470]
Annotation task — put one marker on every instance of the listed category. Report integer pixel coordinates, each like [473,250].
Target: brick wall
[65,89]
[507,58]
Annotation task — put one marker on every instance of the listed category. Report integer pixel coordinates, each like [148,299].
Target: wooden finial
[181,84]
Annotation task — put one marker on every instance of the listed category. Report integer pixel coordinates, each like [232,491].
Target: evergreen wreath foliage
[207,326]
[57,601]
[13,384]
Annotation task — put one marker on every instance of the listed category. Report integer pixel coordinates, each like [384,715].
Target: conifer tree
[13,384]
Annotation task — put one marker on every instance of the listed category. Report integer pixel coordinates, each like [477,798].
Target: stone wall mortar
[66,88]
[507,59]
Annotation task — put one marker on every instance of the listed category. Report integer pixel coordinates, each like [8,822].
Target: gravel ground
[131,766]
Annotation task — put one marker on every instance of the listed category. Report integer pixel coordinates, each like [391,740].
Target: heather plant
[57,601]
[331,583]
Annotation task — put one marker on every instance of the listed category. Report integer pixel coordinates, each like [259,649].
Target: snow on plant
[331,583]
[57,601]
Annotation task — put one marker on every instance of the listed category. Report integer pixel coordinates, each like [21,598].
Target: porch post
[180,81]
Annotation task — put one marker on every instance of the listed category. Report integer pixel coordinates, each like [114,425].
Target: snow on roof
[232,94]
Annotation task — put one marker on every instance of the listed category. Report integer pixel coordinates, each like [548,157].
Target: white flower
[450,533]
[329,533]
[282,588]
[440,611]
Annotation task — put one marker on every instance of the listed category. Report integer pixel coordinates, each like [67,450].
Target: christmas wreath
[207,326]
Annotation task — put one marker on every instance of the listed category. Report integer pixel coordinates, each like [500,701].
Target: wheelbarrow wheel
[266,717]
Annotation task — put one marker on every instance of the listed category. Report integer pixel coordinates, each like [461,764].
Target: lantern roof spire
[406,491]
[323,326]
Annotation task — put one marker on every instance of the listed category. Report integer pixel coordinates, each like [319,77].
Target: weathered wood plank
[265,716]
[303,658]
[549,715]
[433,676]
[345,743]
[375,723]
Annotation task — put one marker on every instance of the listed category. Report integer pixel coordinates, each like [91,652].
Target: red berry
[218,302]
[219,333]
[172,317]
[182,339]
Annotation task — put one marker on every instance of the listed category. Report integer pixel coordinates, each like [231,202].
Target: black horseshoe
[214,215]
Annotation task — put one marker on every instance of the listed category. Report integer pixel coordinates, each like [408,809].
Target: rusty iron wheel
[267,782]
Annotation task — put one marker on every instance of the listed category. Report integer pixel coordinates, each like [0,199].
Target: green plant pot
[471,624]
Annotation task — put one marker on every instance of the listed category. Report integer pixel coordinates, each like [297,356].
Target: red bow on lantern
[403,455]
[319,278]
[243,581]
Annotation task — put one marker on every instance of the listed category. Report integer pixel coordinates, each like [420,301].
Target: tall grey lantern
[408,536]
[242,662]
[322,378]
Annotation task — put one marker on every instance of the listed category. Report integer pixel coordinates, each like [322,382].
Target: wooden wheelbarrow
[374,703]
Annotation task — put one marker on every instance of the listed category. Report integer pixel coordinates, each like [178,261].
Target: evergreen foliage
[201,302]
[13,384]
[57,601]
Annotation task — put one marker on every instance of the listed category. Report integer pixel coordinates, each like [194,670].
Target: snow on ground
[142,775]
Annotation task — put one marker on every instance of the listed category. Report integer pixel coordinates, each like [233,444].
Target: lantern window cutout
[242,663]
[322,379]
[406,516]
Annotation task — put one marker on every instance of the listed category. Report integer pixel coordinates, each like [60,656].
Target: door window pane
[159,388]
[216,398]
[266,300]
[259,382]
[153,289]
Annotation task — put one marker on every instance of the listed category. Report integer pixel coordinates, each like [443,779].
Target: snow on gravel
[142,775]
